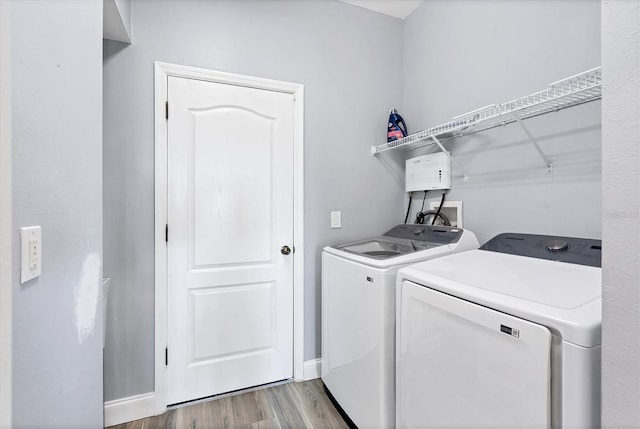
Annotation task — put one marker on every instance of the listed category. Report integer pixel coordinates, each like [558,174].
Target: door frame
[162,73]
[6,242]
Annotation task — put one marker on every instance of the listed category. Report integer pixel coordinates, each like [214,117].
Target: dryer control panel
[583,251]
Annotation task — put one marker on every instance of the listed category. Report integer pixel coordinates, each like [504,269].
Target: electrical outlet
[31,253]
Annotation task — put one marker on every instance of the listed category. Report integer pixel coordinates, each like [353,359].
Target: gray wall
[350,62]
[124,8]
[57,171]
[621,201]
[462,55]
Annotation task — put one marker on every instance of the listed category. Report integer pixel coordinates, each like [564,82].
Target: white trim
[6,281]
[162,72]
[129,409]
[312,369]
[298,230]
[160,94]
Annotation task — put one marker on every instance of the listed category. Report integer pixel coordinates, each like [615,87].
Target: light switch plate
[31,253]
[336,220]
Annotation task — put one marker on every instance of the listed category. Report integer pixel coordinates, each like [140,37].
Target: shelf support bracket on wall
[535,144]
[465,178]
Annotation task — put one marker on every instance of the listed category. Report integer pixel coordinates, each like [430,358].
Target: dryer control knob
[418,231]
[557,246]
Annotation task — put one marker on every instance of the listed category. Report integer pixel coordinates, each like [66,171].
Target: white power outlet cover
[31,253]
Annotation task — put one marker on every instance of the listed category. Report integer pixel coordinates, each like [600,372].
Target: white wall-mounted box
[428,172]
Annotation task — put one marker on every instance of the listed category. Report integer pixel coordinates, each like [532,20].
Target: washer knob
[557,246]
[418,231]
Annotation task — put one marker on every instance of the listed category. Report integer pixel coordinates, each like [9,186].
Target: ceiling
[397,8]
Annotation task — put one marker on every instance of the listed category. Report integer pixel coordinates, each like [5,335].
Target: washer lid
[565,297]
[384,252]
[384,247]
[406,244]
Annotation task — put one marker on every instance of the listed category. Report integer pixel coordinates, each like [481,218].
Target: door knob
[285,250]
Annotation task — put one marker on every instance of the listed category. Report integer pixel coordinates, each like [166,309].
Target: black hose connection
[422,214]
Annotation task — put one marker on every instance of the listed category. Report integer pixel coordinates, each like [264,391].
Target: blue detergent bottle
[396,128]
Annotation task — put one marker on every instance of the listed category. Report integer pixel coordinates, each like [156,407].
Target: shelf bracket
[465,178]
[535,144]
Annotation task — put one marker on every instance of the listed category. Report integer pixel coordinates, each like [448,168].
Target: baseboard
[312,369]
[129,409]
[138,407]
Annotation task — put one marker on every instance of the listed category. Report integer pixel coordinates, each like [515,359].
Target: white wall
[340,53]
[56,82]
[124,9]
[465,54]
[621,203]
[117,20]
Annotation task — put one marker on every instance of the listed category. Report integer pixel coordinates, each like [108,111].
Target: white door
[230,213]
[461,365]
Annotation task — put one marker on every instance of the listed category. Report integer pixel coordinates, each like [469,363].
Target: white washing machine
[358,314]
[506,336]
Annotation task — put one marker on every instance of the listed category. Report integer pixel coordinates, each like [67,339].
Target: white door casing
[6,227]
[205,221]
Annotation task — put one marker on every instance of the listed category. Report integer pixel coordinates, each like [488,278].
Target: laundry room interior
[95,183]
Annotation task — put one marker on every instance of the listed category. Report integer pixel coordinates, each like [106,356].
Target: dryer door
[462,365]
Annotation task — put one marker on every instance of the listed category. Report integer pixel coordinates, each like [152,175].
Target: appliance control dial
[418,231]
[557,246]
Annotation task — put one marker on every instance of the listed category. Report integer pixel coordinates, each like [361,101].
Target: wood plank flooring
[289,405]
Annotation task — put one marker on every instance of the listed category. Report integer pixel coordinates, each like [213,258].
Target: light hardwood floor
[289,405]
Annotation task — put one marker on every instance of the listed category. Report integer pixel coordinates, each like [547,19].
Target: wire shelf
[577,89]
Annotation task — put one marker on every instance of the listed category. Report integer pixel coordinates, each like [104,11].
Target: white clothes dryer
[358,314]
[505,336]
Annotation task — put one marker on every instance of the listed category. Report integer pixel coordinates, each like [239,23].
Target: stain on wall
[87,294]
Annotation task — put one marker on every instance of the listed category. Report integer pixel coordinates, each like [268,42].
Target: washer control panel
[581,251]
[431,234]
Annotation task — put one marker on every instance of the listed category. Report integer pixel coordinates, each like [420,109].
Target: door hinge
[166,110]
[166,356]
[166,233]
